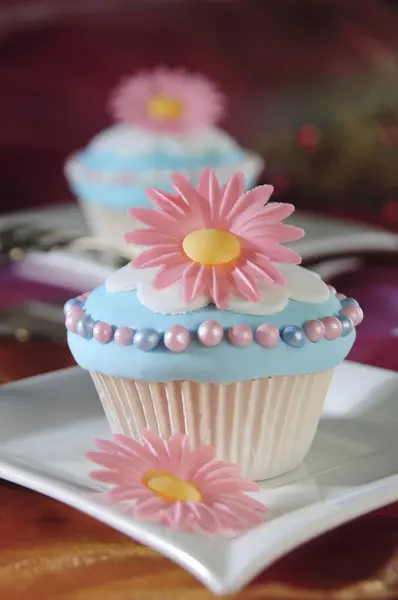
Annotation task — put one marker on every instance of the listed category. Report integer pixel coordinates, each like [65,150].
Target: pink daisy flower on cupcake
[168,483]
[168,100]
[217,241]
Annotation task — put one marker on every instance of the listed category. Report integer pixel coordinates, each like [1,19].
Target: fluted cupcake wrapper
[266,425]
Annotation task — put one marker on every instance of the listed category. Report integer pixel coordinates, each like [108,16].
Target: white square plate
[47,423]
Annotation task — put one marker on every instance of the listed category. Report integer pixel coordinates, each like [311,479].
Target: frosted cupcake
[214,330]
[165,123]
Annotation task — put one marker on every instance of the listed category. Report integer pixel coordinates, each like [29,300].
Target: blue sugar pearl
[347,325]
[146,339]
[348,302]
[85,327]
[293,336]
[72,302]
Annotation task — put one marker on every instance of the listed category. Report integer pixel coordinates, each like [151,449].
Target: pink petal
[245,284]
[112,448]
[277,211]
[199,457]
[155,444]
[177,515]
[223,471]
[148,508]
[154,218]
[209,188]
[250,202]
[213,466]
[232,191]
[194,286]
[232,521]
[204,182]
[166,276]
[229,485]
[242,502]
[122,493]
[107,476]
[273,273]
[149,237]
[105,459]
[172,205]
[282,254]
[178,450]
[237,519]
[257,271]
[157,257]
[196,282]
[243,505]
[199,207]
[263,231]
[283,233]
[134,447]
[220,288]
[206,519]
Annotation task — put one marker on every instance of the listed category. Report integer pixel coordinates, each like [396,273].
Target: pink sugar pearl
[333,328]
[73,317]
[102,332]
[177,338]
[341,296]
[355,313]
[123,336]
[314,330]
[240,335]
[210,333]
[77,311]
[332,289]
[267,335]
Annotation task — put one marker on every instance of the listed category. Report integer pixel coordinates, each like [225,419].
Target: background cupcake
[214,330]
[165,123]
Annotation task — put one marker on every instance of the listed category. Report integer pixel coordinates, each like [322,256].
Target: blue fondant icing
[115,162]
[126,195]
[223,363]
[113,195]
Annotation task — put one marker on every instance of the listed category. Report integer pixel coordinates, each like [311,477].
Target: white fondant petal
[304,285]
[127,278]
[273,298]
[169,300]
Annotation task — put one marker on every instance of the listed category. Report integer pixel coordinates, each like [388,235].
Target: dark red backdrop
[59,58]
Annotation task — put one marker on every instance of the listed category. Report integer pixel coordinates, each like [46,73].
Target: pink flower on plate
[168,483]
[168,100]
[216,240]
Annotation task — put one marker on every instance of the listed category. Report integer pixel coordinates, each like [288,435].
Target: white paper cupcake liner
[266,426]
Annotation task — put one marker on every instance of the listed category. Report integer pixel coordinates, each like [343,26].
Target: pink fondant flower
[216,241]
[168,483]
[168,100]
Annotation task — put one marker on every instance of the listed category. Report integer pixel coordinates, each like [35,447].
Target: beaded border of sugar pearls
[211,333]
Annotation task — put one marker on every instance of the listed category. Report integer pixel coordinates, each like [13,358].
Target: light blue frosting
[223,363]
[115,162]
[127,195]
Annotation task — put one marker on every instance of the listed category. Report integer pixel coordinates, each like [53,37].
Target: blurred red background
[59,60]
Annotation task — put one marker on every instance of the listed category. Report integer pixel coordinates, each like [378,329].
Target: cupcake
[214,330]
[165,123]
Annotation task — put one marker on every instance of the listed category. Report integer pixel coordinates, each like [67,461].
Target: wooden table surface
[50,551]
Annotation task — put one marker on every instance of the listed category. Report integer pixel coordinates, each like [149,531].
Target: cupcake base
[266,425]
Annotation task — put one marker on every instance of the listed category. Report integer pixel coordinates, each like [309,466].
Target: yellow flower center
[211,246]
[164,107]
[171,488]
